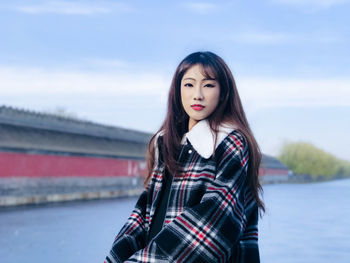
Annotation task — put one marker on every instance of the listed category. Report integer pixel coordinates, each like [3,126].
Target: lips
[197,107]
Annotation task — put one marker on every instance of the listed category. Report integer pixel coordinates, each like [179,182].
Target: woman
[201,199]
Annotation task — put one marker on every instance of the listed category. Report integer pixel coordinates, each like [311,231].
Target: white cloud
[317,4]
[21,81]
[256,92]
[260,93]
[200,7]
[130,99]
[71,8]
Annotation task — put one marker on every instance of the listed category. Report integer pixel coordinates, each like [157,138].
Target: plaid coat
[211,215]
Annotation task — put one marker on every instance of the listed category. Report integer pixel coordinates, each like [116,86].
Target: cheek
[184,95]
[214,97]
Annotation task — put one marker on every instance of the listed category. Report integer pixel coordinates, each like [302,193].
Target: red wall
[37,165]
[266,171]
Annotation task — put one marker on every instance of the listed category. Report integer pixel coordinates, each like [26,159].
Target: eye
[209,85]
[188,85]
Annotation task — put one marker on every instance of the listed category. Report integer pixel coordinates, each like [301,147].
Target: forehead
[199,71]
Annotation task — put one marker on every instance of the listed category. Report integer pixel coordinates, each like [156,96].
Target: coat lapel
[202,137]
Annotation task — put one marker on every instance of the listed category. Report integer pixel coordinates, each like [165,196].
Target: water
[63,233]
[303,223]
[306,223]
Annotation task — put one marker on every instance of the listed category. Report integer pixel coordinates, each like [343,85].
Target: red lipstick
[197,107]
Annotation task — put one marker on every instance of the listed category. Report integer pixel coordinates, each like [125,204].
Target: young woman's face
[199,95]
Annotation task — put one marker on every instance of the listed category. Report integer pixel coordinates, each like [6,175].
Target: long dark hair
[229,110]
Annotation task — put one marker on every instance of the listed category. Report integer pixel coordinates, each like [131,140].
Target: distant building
[42,154]
[273,171]
[38,144]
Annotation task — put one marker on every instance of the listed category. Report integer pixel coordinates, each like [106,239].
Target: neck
[191,123]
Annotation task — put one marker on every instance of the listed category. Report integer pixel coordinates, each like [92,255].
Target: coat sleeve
[131,237]
[208,231]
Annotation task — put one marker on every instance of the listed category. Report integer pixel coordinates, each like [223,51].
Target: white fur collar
[202,138]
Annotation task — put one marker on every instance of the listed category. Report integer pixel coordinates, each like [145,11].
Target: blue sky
[112,61]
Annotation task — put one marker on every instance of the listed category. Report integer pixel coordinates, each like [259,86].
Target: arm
[131,237]
[208,231]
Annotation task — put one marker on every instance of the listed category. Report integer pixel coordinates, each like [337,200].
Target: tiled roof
[272,163]
[51,122]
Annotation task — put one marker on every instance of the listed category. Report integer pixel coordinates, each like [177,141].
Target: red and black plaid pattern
[211,216]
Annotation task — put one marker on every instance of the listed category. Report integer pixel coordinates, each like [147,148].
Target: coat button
[190,151]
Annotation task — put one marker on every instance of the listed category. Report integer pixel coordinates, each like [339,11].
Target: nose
[198,95]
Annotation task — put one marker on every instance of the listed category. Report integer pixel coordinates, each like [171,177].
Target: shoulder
[236,140]
[233,147]
[157,142]
[158,137]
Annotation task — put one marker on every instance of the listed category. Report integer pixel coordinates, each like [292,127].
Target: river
[303,223]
